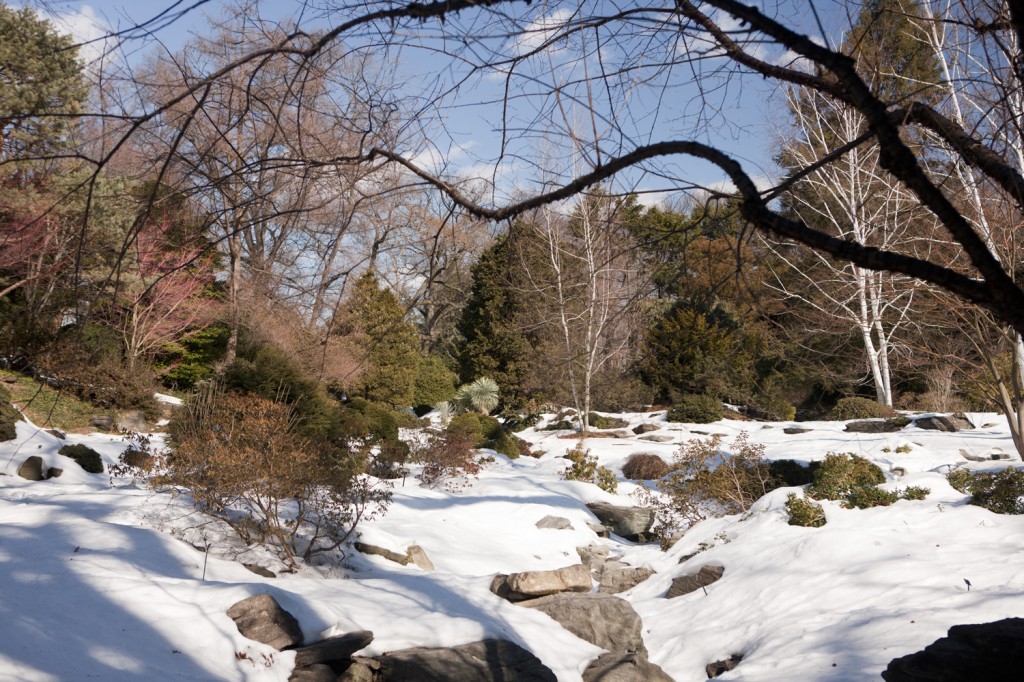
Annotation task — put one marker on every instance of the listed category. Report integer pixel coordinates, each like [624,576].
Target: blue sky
[748,118]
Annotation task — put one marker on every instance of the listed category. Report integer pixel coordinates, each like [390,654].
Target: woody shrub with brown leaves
[448,457]
[241,460]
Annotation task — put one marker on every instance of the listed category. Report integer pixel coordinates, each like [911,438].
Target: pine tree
[390,342]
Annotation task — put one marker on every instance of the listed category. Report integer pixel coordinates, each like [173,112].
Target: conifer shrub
[243,460]
[86,457]
[1000,492]
[774,408]
[8,416]
[645,466]
[859,408]
[804,512]
[184,363]
[584,467]
[696,409]
[853,481]
[435,383]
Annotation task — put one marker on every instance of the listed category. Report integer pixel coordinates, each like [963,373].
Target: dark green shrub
[914,492]
[486,432]
[584,467]
[86,457]
[467,424]
[521,423]
[696,409]
[859,408]
[773,408]
[865,497]
[380,421]
[406,419]
[788,472]
[560,425]
[390,461]
[183,364]
[1000,492]
[645,466]
[598,421]
[804,512]
[435,383]
[8,416]
[838,474]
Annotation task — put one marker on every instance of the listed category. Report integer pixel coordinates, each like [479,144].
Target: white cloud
[87,28]
[540,31]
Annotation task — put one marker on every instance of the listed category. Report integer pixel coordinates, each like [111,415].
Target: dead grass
[47,406]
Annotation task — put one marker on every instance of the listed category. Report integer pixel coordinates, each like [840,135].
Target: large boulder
[986,651]
[685,584]
[32,468]
[531,584]
[491,660]
[261,618]
[613,667]
[948,424]
[631,523]
[601,619]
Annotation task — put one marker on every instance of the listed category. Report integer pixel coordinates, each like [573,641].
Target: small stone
[555,523]
[102,422]
[259,570]
[417,556]
[32,468]
[795,430]
[57,433]
[718,667]
[615,579]
[600,529]
[641,429]
[657,438]
[54,472]
[593,555]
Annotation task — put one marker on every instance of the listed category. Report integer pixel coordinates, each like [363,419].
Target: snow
[104,579]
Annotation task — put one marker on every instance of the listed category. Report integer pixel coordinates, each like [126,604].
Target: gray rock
[261,618]
[57,433]
[615,580]
[948,424]
[641,429]
[555,523]
[337,648]
[417,556]
[601,619]
[612,667]
[102,422]
[593,555]
[132,420]
[259,570]
[388,554]
[657,438]
[685,584]
[795,430]
[600,529]
[632,523]
[32,468]
[718,667]
[574,578]
[986,651]
[321,672]
[492,660]
[54,472]
[361,670]
[873,426]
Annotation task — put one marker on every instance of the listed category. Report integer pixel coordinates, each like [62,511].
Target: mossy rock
[598,421]
[86,457]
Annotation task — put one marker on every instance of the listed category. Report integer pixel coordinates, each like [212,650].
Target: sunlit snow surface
[106,582]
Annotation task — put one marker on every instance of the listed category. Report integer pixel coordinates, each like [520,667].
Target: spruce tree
[390,343]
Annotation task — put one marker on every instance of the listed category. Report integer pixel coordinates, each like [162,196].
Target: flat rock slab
[795,430]
[657,438]
[574,578]
[873,426]
[601,619]
[615,579]
[261,618]
[641,429]
[987,651]
[686,584]
[491,660]
[613,667]
[948,424]
[632,523]
[338,648]
[554,523]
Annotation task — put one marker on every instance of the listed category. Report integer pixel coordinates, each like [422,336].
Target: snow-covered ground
[105,582]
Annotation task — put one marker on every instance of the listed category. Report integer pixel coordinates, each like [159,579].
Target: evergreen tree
[40,84]
[494,344]
[390,342]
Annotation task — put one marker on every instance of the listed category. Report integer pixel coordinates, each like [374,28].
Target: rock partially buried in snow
[873,426]
[574,578]
[32,468]
[593,555]
[601,619]
[986,651]
[612,667]
[418,557]
[686,584]
[657,438]
[261,618]
[554,523]
[632,523]
[615,580]
[338,648]
[260,570]
[414,555]
[490,660]
[947,424]
[719,667]
[641,429]
[795,430]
